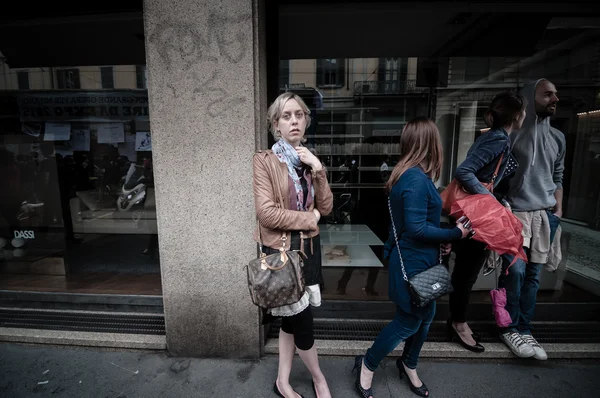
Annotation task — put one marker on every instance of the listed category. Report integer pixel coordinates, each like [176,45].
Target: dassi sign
[25,234]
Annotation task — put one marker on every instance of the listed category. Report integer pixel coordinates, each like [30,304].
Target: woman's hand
[317,214]
[446,248]
[308,158]
[465,231]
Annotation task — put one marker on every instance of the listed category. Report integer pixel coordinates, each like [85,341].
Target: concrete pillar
[207,101]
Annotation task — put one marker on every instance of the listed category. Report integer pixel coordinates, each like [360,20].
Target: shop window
[107,75]
[392,74]
[140,76]
[357,136]
[80,205]
[331,72]
[23,80]
[284,73]
[68,78]
[556,65]
[477,69]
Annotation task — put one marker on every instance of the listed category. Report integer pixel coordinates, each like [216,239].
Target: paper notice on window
[80,139]
[127,148]
[110,133]
[143,141]
[57,131]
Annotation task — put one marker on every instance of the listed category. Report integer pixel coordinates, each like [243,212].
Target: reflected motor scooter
[133,191]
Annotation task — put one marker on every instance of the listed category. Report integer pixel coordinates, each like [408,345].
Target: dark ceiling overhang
[73,34]
[424,29]
[112,32]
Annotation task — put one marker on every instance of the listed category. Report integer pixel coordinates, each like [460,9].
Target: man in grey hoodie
[535,194]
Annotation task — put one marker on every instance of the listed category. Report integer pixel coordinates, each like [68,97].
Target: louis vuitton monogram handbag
[276,279]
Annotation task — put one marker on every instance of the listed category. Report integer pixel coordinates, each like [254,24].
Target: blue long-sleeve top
[416,209]
[482,159]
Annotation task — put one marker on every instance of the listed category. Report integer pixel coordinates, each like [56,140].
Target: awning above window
[108,35]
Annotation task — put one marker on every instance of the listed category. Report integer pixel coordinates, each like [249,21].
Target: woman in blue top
[416,209]
[506,114]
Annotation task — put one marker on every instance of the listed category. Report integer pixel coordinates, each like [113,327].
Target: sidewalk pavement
[59,371]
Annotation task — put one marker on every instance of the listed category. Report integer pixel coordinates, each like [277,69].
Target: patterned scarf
[288,155]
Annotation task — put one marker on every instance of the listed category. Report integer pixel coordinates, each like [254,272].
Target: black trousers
[301,326]
[470,257]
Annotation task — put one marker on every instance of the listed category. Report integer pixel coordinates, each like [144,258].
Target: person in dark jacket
[416,211]
[506,114]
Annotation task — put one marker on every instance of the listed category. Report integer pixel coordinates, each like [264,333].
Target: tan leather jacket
[270,176]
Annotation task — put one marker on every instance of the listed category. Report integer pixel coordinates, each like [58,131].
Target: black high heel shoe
[364,393]
[455,337]
[279,394]
[420,391]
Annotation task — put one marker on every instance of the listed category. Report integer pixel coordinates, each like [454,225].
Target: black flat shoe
[420,391]
[279,394]
[364,393]
[455,337]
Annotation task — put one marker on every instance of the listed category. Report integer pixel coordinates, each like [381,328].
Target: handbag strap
[277,189]
[497,168]
[404,276]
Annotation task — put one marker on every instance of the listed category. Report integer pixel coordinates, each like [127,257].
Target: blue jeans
[554,223]
[521,284]
[404,327]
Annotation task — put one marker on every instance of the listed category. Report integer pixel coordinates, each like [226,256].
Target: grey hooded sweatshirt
[540,151]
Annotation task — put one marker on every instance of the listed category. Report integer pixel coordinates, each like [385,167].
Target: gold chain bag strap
[275,280]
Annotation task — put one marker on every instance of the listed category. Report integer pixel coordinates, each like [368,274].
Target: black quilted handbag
[428,285]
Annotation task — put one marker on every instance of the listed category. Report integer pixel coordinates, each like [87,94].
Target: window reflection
[358,128]
[78,207]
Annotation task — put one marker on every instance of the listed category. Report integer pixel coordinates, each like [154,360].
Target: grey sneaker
[537,348]
[517,345]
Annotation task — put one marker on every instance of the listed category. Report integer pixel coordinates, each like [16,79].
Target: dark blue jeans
[521,284]
[405,327]
[554,223]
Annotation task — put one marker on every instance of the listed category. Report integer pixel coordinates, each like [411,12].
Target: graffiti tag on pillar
[219,100]
[179,41]
[222,40]
[230,36]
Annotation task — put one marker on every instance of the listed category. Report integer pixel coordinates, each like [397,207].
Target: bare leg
[465,332]
[366,377]
[413,376]
[287,349]
[311,360]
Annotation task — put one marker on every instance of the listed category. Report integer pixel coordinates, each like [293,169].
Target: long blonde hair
[420,145]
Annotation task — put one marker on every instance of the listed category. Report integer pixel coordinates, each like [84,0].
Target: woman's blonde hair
[420,145]
[276,109]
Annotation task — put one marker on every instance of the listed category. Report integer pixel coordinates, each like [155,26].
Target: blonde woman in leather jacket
[292,171]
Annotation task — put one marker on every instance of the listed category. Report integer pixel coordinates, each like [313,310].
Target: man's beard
[548,111]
